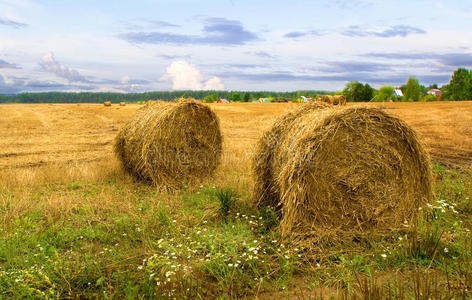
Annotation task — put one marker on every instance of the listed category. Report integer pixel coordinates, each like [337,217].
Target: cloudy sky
[143,45]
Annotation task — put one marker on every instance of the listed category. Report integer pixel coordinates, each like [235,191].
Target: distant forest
[87,97]
[459,88]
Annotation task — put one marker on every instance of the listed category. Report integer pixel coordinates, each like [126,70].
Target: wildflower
[383,255]
[140,267]
[446,250]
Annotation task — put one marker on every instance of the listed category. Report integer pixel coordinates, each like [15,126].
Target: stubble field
[75,225]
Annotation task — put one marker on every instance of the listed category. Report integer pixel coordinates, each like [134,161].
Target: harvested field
[76,134]
[75,225]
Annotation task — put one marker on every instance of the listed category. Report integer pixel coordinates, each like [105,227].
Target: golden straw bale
[344,172]
[171,144]
[122,103]
[327,99]
[107,103]
[265,193]
[339,100]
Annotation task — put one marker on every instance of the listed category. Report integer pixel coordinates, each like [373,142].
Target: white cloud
[108,89]
[50,64]
[214,83]
[185,76]
[9,86]
[125,80]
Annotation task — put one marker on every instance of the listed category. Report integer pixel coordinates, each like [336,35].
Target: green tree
[357,92]
[367,92]
[385,93]
[460,86]
[236,97]
[412,90]
[210,98]
[247,97]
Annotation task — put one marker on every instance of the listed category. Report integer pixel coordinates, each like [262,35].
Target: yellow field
[61,143]
[57,165]
[74,137]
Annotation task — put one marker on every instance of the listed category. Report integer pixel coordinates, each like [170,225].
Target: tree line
[209,96]
[458,88]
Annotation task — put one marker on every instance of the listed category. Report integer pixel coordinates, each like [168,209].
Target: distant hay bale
[327,99]
[339,100]
[122,104]
[107,103]
[344,172]
[171,144]
[334,100]
[265,192]
[152,103]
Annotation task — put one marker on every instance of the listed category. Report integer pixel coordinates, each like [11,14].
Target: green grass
[212,243]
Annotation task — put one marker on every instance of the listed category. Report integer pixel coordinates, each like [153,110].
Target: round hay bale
[346,172]
[107,103]
[122,103]
[265,192]
[339,100]
[171,144]
[327,99]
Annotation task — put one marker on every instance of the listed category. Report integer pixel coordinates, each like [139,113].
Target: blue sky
[134,46]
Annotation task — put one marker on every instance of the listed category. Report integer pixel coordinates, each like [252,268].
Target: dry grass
[265,167]
[62,143]
[62,187]
[335,100]
[171,144]
[338,173]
